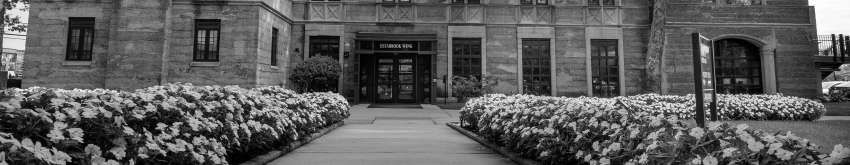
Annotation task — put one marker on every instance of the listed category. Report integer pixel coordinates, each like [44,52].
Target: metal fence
[835,45]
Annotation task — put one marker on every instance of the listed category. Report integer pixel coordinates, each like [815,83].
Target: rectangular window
[466,1]
[601,2]
[536,67]
[207,32]
[466,57]
[604,57]
[274,47]
[324,46]
[395,1]
[80,39]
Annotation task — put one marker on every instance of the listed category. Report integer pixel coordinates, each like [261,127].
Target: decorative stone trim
[205,64]
[76,63]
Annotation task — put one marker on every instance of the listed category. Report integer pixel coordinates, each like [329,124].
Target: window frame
[597,69]
[534,2]
[753,63]
[468,2]
[274,49]
[84,50]
[316,41]
[603,3]
[464,63]
[536,59]
[207,25]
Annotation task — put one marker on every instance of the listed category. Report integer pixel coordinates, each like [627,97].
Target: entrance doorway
[395,68]
[396,78]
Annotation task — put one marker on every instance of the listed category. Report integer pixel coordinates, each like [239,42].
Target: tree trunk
[655,52]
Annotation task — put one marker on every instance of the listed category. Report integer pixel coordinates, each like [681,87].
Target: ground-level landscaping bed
[647,129]
[170,124]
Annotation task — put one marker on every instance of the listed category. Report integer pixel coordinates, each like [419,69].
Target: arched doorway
[738,67]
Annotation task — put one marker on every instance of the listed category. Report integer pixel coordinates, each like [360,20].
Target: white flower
[118,152]
[709,160]
[76,134]
[697,132]
[92,149]
[729,152]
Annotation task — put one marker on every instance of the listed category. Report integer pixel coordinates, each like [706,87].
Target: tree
[14,23]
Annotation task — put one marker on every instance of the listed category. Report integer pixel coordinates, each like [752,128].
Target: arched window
[738,67]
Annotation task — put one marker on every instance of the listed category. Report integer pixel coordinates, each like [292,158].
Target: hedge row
[557,130]
[731,107]
[170,124]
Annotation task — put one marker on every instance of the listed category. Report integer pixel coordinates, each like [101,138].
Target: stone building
[408,50]
[12,60]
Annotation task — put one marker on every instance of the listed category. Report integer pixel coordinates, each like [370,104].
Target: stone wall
[136,41]
[238,47]
[266,73]
[45,63]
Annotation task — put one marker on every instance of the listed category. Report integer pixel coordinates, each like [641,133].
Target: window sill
[76,63]
[205,64]
[275,67]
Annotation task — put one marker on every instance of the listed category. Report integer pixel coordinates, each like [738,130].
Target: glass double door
[396,78]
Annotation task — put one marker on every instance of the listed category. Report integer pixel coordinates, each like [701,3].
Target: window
[533,2]
[604,59]
[736,2]
[466,57]
[536,67]
[395,1]
[601,2]
[737,67]
[207,32]
[80,39]
[466,1]
[324,46]
[274,47]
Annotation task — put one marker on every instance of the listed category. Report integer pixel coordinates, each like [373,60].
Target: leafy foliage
[472,86]
[171,124]
[14,22]
[317,74]
[586,130]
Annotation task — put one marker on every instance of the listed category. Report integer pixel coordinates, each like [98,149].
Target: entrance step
[404,121]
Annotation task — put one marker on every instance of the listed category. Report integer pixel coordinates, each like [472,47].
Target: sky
[833,17]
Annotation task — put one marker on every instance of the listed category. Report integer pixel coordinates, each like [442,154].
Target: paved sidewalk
[381,136]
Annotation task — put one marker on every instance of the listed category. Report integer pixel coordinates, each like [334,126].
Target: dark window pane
[273,54]
[605,68]
[324,46]
[466,57]
[526,2]
[80,39]
[536,66]
[738,67]
[207,33]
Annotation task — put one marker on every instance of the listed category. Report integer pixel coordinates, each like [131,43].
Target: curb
[274,154]
[498,149]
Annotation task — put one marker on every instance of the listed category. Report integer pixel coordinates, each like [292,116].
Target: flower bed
[731,107]
[171,124]
[602,131]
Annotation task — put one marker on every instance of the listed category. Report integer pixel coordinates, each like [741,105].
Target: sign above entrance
[397,45]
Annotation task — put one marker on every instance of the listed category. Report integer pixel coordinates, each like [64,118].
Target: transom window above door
[601,2]
[534,2]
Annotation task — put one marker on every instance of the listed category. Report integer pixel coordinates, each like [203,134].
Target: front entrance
[395,68]
[396,78]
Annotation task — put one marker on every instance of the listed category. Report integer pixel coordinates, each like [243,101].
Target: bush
[472,86]
[317,74]
[731,107]
[171,124]
[581,130]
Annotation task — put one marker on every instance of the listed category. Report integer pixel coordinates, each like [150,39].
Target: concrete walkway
[380,136]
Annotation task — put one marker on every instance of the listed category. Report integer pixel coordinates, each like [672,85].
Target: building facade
[408,51]
[12,61]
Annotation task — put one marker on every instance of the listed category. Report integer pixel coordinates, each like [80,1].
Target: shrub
[171,124]
[602,131]
[731,107]
[317,74]
[471,86]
